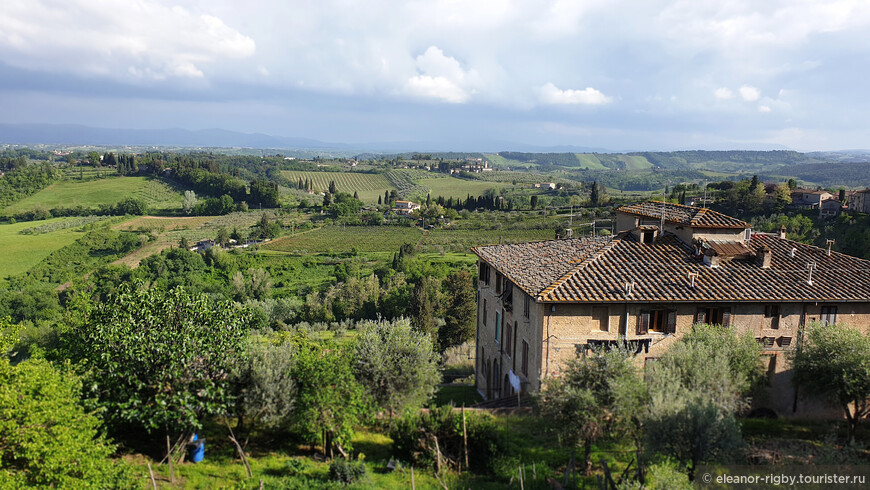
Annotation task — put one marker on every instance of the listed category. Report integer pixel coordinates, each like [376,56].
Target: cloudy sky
[457,74]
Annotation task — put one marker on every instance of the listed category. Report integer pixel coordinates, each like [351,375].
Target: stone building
[668,267]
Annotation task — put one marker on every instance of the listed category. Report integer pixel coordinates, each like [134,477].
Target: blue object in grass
[196,449]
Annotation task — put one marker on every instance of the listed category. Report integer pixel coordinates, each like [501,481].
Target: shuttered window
[525,363]
[657,320]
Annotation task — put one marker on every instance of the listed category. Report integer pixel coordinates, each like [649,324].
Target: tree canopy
[157,358]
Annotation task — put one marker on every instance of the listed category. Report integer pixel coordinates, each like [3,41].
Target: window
[771,316]
[714,316]
[524,366]
[484,312]
[498,282]
[829,315]
[497,326]
[647,236]
[508,295]
[483,275]
[506,346]
[601,318]
[526,305]
[658,320]
[482,361]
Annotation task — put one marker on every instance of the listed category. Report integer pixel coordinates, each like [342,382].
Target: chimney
[762,257]
[782,232]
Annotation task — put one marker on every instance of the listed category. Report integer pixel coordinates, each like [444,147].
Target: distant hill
[72,134]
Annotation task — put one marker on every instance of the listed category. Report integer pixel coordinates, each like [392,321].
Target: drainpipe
[547,370]
[800,337]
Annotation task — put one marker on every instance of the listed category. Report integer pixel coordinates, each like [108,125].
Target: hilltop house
[668,267]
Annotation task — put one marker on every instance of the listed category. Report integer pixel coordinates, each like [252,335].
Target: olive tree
[833,361]
[396,364]
[696,388]
[598,395]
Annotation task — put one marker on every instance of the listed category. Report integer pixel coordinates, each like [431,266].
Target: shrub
[347,472]
[414,439]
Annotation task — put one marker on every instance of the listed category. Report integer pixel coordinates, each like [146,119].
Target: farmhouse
[405,207]
[806,198]
[668,267]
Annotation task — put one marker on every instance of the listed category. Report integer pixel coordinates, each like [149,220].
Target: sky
[479,75]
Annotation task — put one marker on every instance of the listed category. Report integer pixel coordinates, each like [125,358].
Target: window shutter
[701,317]
[643,323]
[726,317]
[671,327]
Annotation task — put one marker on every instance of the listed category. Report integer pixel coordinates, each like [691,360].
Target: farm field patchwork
[21,252]
[368,186]
[155,193]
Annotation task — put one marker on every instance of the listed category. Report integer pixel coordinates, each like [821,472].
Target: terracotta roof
[686,215]
[597,269]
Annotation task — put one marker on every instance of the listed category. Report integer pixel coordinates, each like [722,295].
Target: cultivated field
[343,239]
[155,193]
[462,240]
[457,188]
[21,252]
[368,186]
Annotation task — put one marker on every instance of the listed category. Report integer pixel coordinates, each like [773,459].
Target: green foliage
[460,315]
[24,181]
[347,472]
[833,362]
[414,438]
[265,385]
[159,359]
[46,437]
[397,365]
[330,402]
[695,390]
[591,399]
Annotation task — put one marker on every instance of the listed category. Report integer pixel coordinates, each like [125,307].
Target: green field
[341,239]
[154,192]
[445,240]
[457,188]
[590,161]
[21,252]
[368,186]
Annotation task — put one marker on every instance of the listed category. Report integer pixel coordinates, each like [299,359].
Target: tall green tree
[330,402]
[460,312]
[159,359]
[47,439]
[833,362]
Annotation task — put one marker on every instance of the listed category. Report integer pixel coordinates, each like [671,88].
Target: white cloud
[441,77]
[142,39]
[436,88]
[551,94]
[723,93]
[763,108]
[750,93]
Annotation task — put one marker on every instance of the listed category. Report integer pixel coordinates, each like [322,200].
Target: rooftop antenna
[811,266]
[692,277]
[830,243]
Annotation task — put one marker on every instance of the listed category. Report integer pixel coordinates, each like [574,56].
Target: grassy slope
[590,161]
[21,252]
[104,191]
